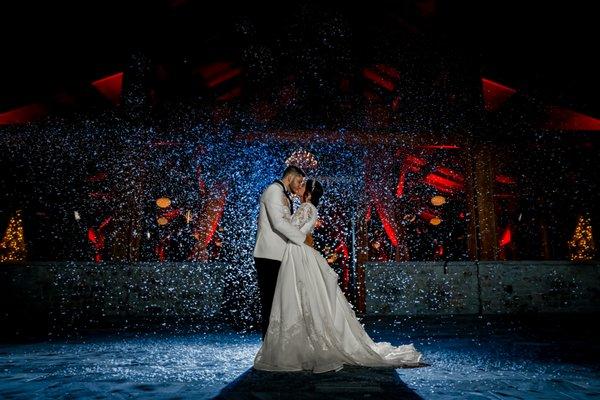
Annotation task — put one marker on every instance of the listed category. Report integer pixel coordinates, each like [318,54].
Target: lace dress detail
[305,218]
[312,326]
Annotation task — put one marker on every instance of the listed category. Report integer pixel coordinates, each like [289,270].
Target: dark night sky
[544,49]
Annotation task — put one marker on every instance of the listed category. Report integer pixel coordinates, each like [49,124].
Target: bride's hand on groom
[309,240]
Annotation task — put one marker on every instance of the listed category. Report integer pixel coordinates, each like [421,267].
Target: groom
[274,230]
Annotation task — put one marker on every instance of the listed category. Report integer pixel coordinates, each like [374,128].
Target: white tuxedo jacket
[274,226]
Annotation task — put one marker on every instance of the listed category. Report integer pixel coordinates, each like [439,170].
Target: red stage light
[442,184]
[92,235]
[440,250]
[104,223]
[390,71]
[110,87]
[216,73]
[378,79]
[216,219]
[170,215]
[414,163]
[495,94]
[23,114]
[427,215]
[387,226]
[504,179]
[400,187]
[450,173]
[506,237]
[343,249]
[568,120]
[396,103]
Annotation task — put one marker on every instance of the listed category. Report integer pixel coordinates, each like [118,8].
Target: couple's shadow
[349,383]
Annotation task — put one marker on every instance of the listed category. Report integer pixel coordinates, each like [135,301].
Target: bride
[312,326]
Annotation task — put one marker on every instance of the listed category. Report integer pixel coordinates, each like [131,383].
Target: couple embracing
[307,323]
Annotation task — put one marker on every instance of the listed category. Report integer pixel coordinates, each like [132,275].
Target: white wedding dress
[312,326]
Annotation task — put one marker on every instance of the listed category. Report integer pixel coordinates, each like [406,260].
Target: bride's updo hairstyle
[316,191]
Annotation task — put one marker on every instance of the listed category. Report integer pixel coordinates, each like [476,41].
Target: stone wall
[54,295]
[438,288]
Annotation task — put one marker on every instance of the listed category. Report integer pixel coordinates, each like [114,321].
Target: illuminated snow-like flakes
[387,123]
[93,181]
[157,365]
[94,176]
[473,358]
[256,165]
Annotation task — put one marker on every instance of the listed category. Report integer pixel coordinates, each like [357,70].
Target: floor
[470,358]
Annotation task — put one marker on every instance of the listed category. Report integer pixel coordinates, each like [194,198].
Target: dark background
[545,49]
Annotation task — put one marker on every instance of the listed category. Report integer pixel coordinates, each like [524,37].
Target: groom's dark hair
[292,169]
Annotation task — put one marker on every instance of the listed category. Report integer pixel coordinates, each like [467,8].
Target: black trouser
[267,271]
